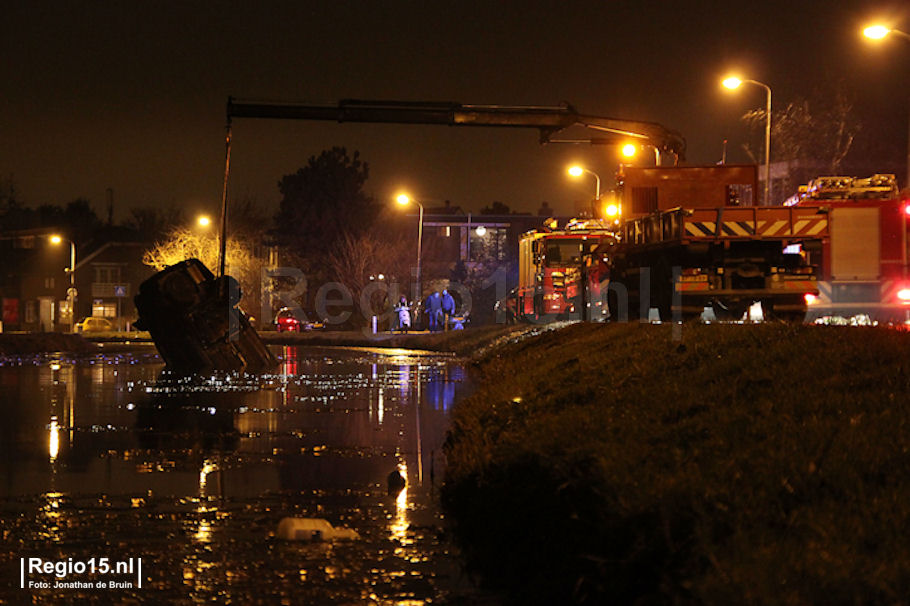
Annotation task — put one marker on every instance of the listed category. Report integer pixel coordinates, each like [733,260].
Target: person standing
[448,307]
[404,314]
[434,310]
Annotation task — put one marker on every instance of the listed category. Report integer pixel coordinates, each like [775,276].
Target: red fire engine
[552,266]
[863,260]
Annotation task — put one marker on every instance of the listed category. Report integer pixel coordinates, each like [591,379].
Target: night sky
[131,96]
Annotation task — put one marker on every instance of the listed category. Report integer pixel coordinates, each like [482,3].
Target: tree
[357,261]
[322,203]
[242,262]
[814,137]
[153,223]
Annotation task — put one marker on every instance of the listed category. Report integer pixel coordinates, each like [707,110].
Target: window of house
[102,309]
[107,274]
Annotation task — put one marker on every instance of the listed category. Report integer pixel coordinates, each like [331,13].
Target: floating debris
[313,529]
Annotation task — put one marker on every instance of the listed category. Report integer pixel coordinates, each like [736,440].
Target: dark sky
[131,95]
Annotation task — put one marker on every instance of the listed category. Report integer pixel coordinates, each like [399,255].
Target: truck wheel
[663,291]
[769,314]
[729,311]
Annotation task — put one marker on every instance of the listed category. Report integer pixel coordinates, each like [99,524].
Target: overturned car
[196,322]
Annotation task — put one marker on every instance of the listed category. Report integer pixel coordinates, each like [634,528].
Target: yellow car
[94,324]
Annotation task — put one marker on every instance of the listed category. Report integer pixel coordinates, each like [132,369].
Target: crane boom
[547,119]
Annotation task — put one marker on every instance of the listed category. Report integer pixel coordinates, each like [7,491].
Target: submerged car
[196,321]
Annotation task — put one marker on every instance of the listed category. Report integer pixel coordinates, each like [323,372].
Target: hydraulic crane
[548,120]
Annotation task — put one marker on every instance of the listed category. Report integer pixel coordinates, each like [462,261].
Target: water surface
[106,457]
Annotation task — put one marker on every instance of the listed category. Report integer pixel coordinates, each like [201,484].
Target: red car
[290,320]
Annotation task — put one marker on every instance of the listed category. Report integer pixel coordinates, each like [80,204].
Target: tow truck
[693,239]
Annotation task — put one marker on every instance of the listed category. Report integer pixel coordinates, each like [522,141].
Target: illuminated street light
[71,291]
[481,231]
[577,171]
[876,32]
[404,200]
[733,83]
[203,221]
[879,32]
[629,150]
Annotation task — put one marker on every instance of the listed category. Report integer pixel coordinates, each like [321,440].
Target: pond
[106,457]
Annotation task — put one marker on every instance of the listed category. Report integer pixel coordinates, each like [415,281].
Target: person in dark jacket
[434,310]
[448,308]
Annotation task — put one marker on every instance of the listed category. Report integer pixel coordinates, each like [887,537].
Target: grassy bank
[761,464]
[46,342]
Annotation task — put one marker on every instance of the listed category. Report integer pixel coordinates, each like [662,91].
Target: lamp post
[404,200]
[577,171]
[71,291]
[203,221]
[630,149]
[880,32]
[733,83]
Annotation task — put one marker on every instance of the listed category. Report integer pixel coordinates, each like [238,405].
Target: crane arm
[547,119]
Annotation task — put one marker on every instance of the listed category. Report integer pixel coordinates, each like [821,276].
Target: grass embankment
[46,342]
[763,464]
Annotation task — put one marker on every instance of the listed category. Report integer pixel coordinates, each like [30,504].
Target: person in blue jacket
[448,307]
[434,310]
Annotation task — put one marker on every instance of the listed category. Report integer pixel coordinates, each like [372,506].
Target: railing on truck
[729,223]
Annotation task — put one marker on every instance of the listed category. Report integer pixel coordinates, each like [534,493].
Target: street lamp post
[404,200]
[71,291]
[630,149]
[879,32]
[577,171]
[734,83]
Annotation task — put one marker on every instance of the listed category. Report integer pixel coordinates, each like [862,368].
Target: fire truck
[553,264]
[692,239]
[864,254]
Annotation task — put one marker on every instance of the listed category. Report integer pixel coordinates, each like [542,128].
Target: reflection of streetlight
[733,83]
[577,171]
[879,32]
[404,200]
[71,291]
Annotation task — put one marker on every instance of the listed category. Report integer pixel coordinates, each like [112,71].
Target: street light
[577,171]
[203,221]
[630,149]
[733,83]
[879,32]
[71,291]
[404,200]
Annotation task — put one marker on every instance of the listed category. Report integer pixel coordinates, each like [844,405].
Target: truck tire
[769,314]
[729,311]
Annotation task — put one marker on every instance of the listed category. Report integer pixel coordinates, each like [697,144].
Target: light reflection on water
[169,469]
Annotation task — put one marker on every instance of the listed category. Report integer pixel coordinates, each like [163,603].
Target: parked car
[94,324]
[294,320]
